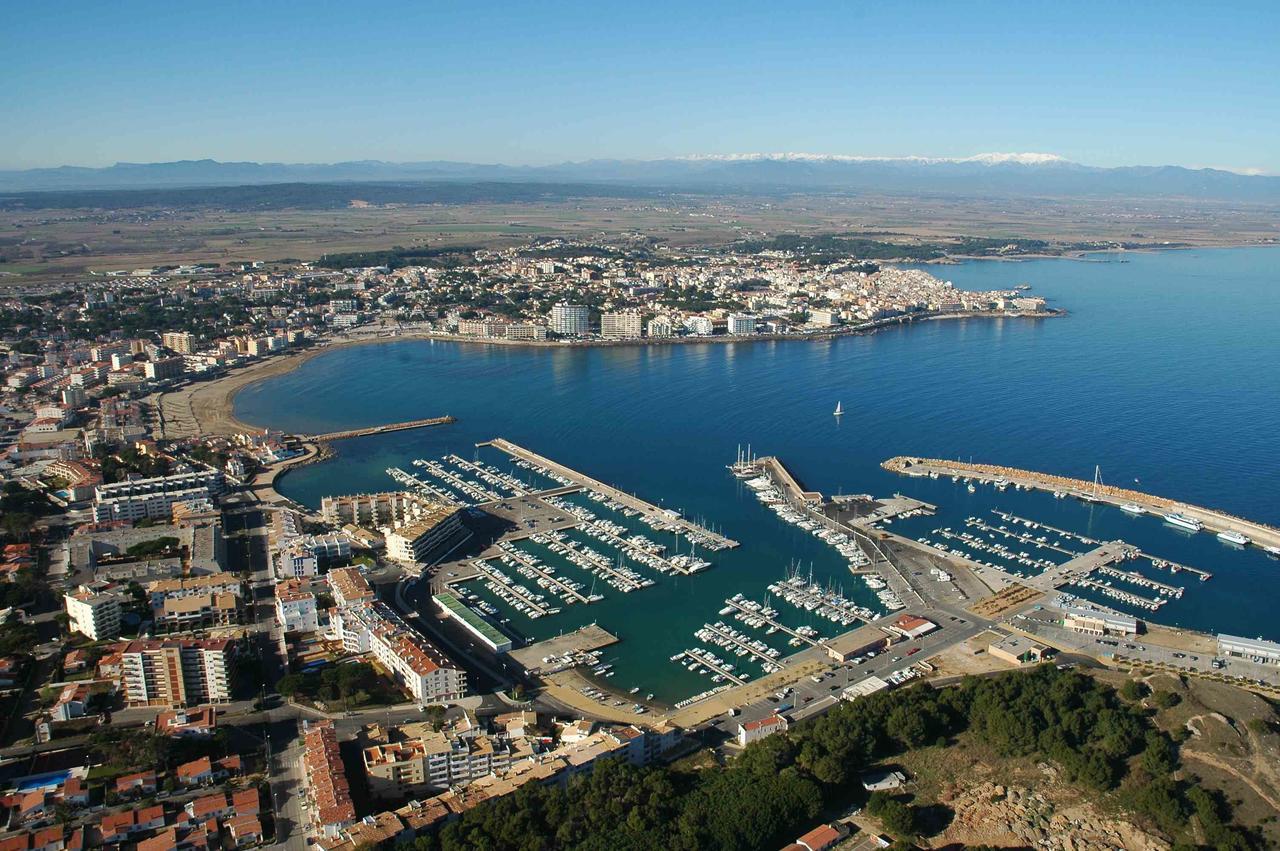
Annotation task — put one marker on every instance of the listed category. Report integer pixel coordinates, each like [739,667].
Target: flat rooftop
[465,613]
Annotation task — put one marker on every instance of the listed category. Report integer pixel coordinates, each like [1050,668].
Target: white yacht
[1183,521]
[1132,508]
[1231,536]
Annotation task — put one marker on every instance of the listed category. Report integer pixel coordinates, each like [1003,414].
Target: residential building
[296,609]
[349,586]
[660,326]
[418,665]
[328,791]
[163,369]
[620,325]
[570,320]
[177,673]
[182,342]
[94,612]
[753,731]
[428,533]
[741,323]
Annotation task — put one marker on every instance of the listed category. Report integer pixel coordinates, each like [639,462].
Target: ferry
[1231,536]
[1183,521]
[1132,508]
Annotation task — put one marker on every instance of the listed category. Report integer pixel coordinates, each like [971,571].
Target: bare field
[48,245]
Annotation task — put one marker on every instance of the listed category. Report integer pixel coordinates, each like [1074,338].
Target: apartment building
[431,531]
[174,673]
[439,761]
[296,608]
[414,662]
[349,587]
[154,498]
[182,342]
[327,789]
[94,612]
[570,320]
[620,325]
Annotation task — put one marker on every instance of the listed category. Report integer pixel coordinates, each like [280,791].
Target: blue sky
[92,83]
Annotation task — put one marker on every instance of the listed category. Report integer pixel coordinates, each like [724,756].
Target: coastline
[208,407]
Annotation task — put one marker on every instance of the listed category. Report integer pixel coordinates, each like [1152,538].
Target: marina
[665,519]
[756,614]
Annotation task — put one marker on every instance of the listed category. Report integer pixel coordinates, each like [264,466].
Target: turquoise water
[1167,370]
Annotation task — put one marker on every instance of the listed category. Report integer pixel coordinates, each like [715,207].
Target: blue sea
[1165,374]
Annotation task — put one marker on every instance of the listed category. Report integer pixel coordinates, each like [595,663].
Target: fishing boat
[839,412]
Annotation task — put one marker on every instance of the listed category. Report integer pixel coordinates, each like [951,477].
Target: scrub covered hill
[779,787]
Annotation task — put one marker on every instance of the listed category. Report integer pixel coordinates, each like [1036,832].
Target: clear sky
[1111,83]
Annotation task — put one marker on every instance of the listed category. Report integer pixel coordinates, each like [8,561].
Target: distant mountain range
[986,175]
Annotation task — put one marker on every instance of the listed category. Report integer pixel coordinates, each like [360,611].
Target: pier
[703,658]
[1213,520]
[737,644]
[650,512]
[523,595]
[569,595]
[1142,581]
[1156,561]
[586,639]
[781,627]
[382,429]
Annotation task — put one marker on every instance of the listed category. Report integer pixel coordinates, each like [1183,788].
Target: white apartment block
[427,674]
[94,614]
[296,611]
[620,326]
[570,320]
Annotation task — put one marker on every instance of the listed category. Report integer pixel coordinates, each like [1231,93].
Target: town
[192,660]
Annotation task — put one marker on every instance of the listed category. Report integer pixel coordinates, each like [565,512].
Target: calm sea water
[1166,371]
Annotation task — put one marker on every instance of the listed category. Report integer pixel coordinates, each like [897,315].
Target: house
[199,723]
[753,731]
[119,826]
[73,792]
[246,801]
[138,785]
[208,807]
[198,772]
[75,661]
[821,837]
[165,840]
[244,830]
